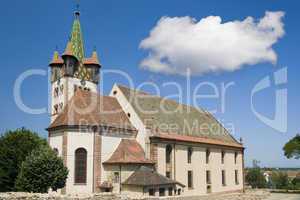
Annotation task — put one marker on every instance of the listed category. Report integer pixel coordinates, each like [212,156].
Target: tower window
[55,109]
[80,165]
[62,89]
[115,92]
[61,106]
[56,92]
[128,114]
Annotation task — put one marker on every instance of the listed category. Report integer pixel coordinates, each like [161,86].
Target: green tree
[42,170]
[255,178]
[292,148]
[15,146]
[280,180]
[296,182]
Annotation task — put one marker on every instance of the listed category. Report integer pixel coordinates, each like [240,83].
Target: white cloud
[208,45]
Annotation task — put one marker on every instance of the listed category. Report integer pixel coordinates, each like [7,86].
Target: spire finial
[95,48]
[77,11]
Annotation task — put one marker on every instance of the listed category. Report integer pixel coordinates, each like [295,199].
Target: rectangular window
[223,157]
[190,179]
[189,155]
[236,177]
[162,192]
[208,179]
[207,155]
[170,191]
[208,189]
[223,178]
[116,177]
[235,157]
[152,192]
[168,174]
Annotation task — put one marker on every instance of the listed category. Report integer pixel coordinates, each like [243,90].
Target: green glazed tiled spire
[77,39]
[78,48]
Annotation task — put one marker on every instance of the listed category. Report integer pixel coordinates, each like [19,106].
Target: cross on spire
[77,10]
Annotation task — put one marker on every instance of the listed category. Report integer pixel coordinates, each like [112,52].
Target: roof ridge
[162,97]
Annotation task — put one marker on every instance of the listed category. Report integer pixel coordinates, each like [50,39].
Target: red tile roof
[69,50]
[196,139]
[91,109]
[129,151]
[56,59]
[149,177]
[92,60]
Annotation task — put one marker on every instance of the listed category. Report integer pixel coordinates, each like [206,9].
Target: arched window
[80,165]
[168,153]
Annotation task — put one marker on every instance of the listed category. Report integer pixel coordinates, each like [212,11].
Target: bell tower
[72,71]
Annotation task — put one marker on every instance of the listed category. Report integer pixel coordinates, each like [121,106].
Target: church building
[131,142]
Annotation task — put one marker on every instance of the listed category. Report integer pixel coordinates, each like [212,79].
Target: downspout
[120,181]
[243,165]
[94,161]
[174,157]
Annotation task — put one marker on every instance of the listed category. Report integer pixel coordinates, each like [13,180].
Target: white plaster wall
[133,191]
[199,167]
[161,159]
[68,91]
[134,118]
[79,140]
[109,145]
[55,141]
[124,173]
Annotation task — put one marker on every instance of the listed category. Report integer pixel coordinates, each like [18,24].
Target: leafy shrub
[15,146]
[41,171]
[255,178]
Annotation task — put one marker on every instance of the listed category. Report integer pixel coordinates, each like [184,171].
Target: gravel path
[275,196]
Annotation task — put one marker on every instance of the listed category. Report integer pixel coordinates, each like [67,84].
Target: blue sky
[30,31]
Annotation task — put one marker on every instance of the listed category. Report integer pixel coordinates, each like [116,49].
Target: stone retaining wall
[249,195]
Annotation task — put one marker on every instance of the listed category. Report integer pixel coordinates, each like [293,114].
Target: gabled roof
[148,177]
[129,151]
[168,116]
[89,108]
